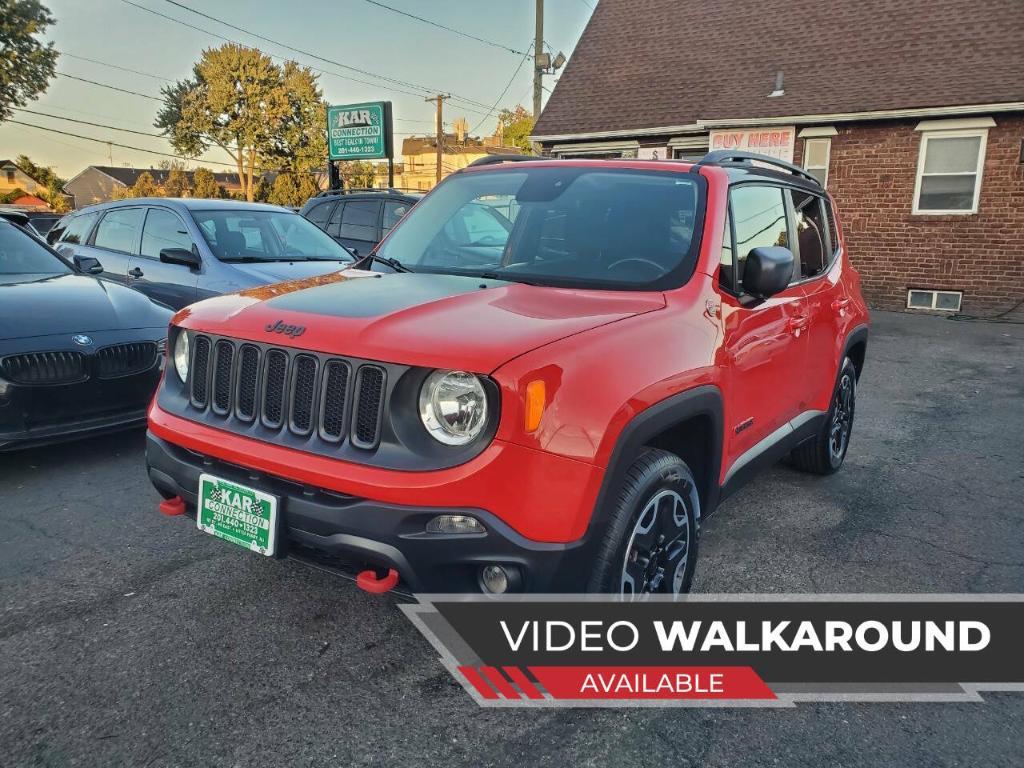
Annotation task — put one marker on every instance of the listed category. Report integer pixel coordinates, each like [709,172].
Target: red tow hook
[172,506]
[368,581]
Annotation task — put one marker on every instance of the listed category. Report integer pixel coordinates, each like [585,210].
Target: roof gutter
[832,117]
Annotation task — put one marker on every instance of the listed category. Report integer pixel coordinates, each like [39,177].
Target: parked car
[177,251]
[560,411]
[77,356]
[359,218]
[41,222]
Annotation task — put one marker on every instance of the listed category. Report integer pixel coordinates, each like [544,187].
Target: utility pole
[440,98]
[538,49]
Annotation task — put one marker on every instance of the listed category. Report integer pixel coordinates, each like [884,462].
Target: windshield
[572,226]
[21,254]
[249,236]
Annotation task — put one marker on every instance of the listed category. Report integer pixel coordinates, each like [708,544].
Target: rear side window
[359,221]
[163,230]
[393,212]
[78,227]
[759,220]
[811,234]
[319,214]
[119,229]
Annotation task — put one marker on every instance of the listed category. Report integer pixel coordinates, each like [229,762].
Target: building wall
[872,171]
[91,186]
[19,181]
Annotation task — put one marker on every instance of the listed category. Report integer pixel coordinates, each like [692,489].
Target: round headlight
[453,406]
[181,355]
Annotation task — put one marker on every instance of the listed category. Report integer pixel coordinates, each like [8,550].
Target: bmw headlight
[453,406]
[181,355]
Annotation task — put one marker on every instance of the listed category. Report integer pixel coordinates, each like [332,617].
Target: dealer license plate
[237,513]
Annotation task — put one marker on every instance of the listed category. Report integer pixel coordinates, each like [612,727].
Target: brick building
[910,111]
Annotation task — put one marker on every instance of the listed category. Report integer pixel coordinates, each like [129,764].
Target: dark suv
[359,218]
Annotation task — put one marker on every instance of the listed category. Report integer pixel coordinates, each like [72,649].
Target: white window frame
[927,136]
[935,300]
[828,156]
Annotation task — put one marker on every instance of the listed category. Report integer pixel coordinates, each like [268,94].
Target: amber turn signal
[535,400]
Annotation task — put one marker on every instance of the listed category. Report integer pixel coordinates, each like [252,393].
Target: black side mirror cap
[89,265]
[767,271]
[182,256]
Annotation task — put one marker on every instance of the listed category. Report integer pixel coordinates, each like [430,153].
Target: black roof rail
[720,156]
[492,159]
[363,190]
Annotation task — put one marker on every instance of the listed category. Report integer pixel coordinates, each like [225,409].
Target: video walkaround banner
[726,650]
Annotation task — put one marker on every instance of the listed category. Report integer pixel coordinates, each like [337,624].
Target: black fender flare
[705,401]
[856,336]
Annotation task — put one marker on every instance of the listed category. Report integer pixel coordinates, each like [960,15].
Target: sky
[355,33]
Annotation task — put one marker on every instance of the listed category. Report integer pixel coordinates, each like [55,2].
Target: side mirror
[354,252]
[88,265]
[182,256]
[768,271]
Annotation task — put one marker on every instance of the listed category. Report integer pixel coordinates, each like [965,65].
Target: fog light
[494,579]
[455,524]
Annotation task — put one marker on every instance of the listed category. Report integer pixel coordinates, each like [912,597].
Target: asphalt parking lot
[130,638]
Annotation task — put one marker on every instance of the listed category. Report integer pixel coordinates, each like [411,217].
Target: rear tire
[650,545]
[825,452]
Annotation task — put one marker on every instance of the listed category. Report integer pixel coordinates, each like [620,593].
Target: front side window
[78,228]
[582,227]
[163,230]
[949,172]
[118,230]
[21,255]
[260,235]
[759,220]
[319,214]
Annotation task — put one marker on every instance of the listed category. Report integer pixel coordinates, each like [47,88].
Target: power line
[114,66]
[279,58]
[111,87]
[313,55]
[86,122]
[507,86]
[446,28]
[126,146]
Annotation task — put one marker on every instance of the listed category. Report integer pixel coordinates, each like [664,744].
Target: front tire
[824,454]
[650,546]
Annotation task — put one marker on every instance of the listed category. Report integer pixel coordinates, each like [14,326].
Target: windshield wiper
[395,264]
[503,276]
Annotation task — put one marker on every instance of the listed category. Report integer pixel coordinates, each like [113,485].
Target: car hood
[276,271]
[73,304]
[438,321]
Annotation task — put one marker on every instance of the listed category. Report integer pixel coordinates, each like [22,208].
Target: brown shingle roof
[654,63]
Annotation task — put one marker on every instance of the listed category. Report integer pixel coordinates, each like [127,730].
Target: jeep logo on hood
[288,330]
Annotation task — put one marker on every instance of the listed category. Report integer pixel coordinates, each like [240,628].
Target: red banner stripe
[520,679]
[498,681]
[652,682]
[477,682]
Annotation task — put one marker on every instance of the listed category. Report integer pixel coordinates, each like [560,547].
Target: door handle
[840,304]
[797,323]
[135,272]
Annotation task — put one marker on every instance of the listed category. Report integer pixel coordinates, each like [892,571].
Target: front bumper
[350,533]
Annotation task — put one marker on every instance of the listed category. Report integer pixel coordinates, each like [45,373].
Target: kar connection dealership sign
[359,131]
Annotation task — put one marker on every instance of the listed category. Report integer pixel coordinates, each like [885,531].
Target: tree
[262,115]
[176,184]
[204,184]
[356,174]
[26,65]
[54,194]
[144,186]
[515,126]
[292,189]
[261,192]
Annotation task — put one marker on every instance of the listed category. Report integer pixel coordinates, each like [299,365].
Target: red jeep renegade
[542,380]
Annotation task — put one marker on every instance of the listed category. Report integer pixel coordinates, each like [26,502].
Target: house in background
[458,149]
[910,112]
[13,178]
[100,183]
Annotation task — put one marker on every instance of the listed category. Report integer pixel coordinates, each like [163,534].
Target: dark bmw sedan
[179,251]
[77,355]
